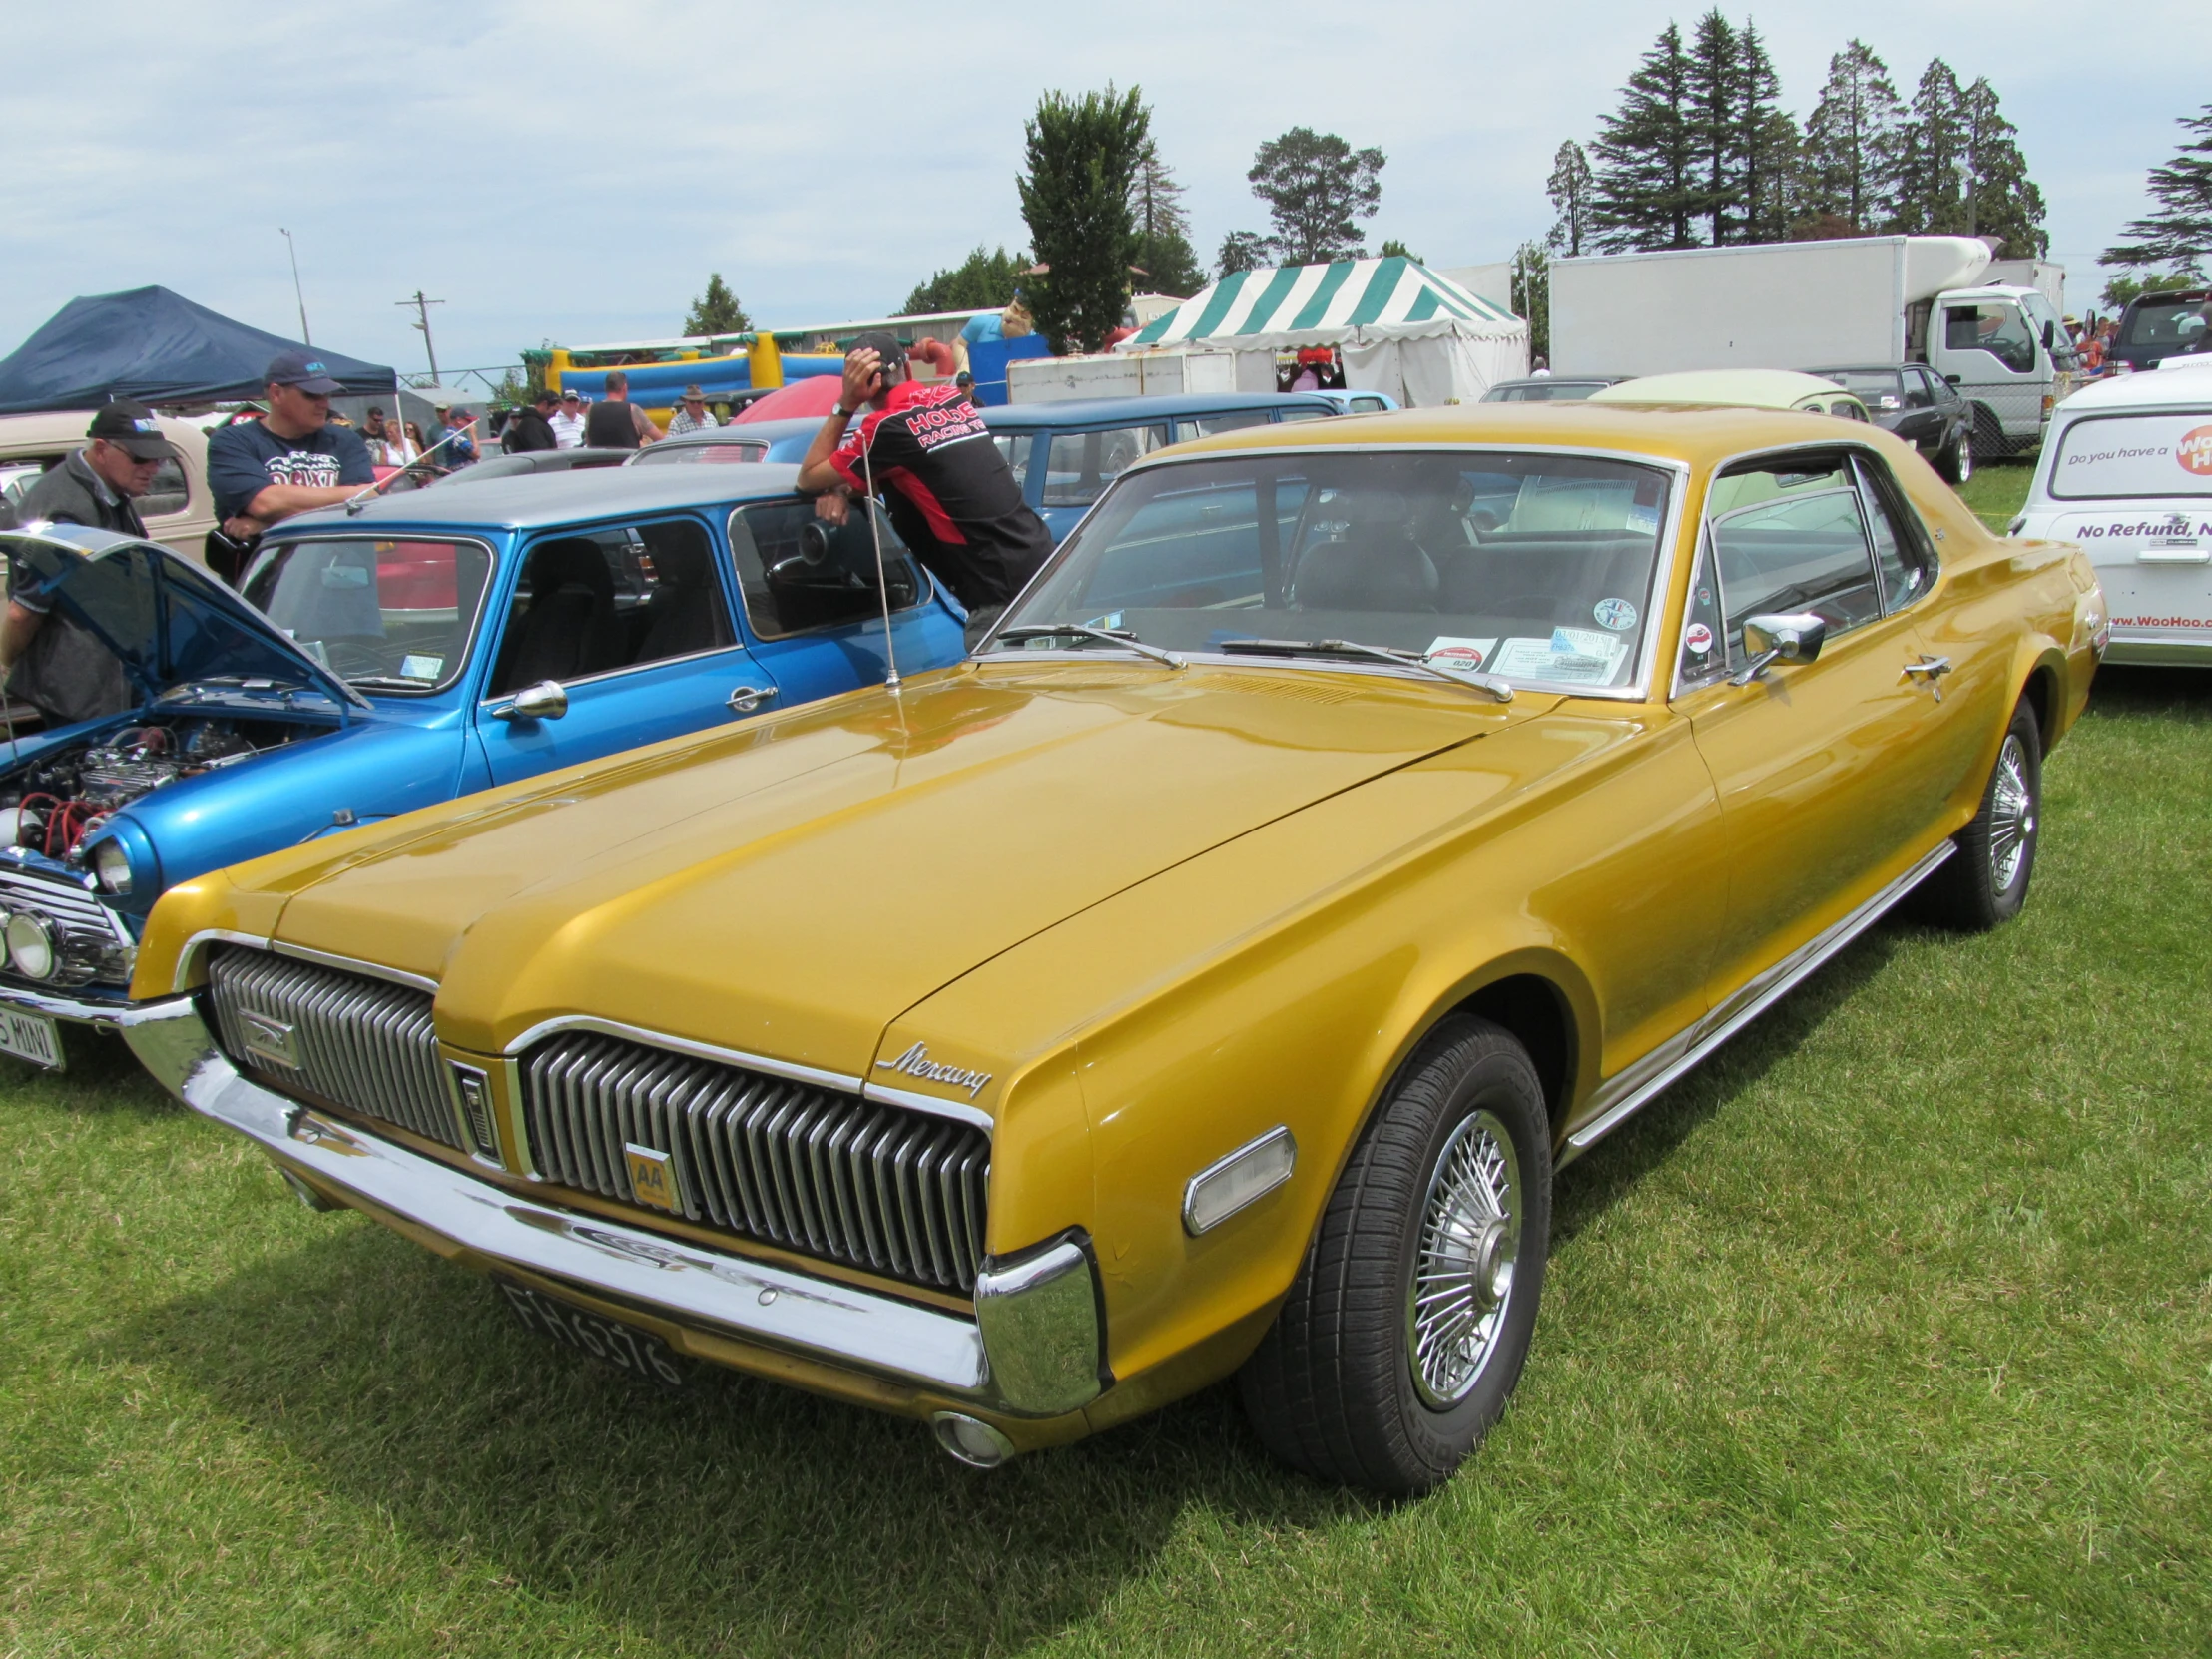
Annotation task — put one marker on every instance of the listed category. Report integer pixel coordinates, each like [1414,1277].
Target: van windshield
[384,615]
[1535,567]
[2135,456]
[2174,322]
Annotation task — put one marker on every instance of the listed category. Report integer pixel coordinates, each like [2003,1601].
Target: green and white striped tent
[1402,329]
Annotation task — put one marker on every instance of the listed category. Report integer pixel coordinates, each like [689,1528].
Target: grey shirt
[65,672]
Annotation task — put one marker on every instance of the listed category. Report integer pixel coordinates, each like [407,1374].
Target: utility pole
[422,309]
[299,293]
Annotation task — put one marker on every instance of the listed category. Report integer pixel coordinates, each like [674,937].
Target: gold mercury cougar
[1354,824]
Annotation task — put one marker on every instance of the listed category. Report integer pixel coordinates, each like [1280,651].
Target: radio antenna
[882,583]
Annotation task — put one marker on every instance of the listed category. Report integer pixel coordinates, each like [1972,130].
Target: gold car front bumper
[1033,1349]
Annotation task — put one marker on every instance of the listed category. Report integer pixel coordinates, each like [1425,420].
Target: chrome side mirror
[1789,636]
[547,700]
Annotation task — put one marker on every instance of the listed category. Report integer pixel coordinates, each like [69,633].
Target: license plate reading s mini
[31,1037]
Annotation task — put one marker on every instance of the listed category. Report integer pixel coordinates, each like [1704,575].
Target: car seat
[570,629]
[1377,565]
[684,614]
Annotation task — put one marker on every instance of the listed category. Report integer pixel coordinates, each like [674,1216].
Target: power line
[298,293]
[421,309]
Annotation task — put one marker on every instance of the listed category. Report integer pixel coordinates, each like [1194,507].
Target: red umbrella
[815,396]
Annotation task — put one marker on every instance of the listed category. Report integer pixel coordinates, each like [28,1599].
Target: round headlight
[113,866]
[30,945]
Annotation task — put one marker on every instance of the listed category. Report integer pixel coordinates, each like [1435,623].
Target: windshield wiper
[1112,636]
[1352,648]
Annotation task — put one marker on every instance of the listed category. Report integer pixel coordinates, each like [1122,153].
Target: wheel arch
[1539,996]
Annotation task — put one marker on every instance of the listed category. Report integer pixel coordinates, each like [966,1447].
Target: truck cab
[2007,351]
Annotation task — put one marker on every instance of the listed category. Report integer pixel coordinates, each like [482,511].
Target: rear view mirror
[547,700]
[2050,335]
[1952,379]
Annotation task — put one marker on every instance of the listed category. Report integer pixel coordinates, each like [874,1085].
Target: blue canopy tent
[158,348]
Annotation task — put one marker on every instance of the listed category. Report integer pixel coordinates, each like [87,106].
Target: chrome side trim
[1636,1086]
[1024,1368]
[188,959]
[953,1109]
[797,1073]
[353,965]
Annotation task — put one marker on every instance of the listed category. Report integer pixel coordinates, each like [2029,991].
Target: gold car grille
[361,1043]
[881,1188]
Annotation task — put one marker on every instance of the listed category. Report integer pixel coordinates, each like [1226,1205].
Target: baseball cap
[883,346]
[133,429]
[572,396]
[302,369]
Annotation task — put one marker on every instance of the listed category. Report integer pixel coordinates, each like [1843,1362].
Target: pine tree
[1647,189]
[2001,202]
[1768,143]
[1571,189]
[1929,158]
[1851,142]
[1083,156]
[1164,251]
[2180,232]
[1392,249]
[1714,72]
[983,281]
[1532,296]
[1242,250]
[1315,185]
[716,311]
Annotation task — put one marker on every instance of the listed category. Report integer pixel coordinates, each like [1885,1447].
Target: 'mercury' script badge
[915,1062]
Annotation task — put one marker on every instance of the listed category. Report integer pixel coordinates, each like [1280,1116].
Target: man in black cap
[265,471]
[59,668]
[950,493]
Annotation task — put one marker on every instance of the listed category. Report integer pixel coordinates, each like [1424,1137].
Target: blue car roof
[1128,411]
[530,501]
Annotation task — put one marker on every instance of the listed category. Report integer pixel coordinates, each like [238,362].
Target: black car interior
[612,599]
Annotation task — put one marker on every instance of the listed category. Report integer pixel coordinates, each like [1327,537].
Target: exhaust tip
[970,1439]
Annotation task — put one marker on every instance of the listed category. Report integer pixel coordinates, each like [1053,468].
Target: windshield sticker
[1446,651]
[420,668]
[1697,639]
[1112,619]
[1579,656]
[1645,520]
[1616,614]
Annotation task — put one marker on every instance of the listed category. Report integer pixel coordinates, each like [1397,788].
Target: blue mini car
[430,645]
[1065,454]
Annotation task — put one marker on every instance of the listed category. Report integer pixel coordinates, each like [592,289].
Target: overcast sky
[569,173]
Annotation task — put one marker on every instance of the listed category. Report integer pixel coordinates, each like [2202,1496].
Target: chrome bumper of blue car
[1033,1347]
[79,1010]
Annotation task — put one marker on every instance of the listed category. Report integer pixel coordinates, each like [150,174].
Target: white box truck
[1119,375]
[1822,305]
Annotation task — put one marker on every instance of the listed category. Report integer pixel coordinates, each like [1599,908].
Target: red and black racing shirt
[949,492]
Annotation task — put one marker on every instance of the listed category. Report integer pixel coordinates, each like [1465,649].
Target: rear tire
[1955,461]
[1983,883]
[1411,1317]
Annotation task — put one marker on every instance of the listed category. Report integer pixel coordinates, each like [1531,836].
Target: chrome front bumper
[1034,1348]
[80,1011]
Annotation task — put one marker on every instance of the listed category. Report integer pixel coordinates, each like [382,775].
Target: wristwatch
[840,410]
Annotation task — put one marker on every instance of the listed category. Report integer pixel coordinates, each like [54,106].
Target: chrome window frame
[925,590]
[1879,482]
[354,534]
[1640,689]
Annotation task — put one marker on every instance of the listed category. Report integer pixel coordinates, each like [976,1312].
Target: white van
[2127,473]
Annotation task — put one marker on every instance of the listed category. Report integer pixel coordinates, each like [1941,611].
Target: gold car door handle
[748,698]
[1928,671]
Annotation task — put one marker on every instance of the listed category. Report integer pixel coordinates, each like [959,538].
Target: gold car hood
[789,887]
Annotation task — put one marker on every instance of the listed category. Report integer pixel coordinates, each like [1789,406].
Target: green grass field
[1888,1332]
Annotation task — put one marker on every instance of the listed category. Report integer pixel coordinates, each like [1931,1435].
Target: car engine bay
[56,802]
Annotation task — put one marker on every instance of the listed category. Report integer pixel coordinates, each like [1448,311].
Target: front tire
[1412,1315]
[1983,883]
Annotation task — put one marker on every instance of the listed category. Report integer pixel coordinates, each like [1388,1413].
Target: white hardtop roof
[2163,389]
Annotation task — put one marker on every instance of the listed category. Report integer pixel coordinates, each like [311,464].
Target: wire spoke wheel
[1463,1275]
[2011,814]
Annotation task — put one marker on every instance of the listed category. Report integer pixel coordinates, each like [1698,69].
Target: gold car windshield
[1536,568]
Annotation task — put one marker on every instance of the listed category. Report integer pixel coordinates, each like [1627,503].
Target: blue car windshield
[386,616]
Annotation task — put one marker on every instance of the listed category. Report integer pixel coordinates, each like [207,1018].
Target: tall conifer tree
[1572,188]
[1767,139]
[2180,232]
[1930,154]
[2001,202]
[1713,86]
[1850,141]
[1083,155]
[1647,182]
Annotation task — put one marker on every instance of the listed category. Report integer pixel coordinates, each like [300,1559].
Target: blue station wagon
[1065,454]
[430,645]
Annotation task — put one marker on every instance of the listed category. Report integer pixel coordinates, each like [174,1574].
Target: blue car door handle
[748,698]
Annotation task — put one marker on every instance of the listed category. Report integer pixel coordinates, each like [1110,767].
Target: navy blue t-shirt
[244,459]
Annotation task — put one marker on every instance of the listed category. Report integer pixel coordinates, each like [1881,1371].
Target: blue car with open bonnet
[420,648]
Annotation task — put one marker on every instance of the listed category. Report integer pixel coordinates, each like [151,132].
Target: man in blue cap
[265,471]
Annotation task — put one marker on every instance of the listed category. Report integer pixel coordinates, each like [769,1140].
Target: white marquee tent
[1402,329]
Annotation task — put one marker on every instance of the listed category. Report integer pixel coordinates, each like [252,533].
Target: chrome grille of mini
[94,943]
[893,1191]
[361,1043]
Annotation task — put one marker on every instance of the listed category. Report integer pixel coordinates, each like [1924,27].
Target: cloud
[571,172]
